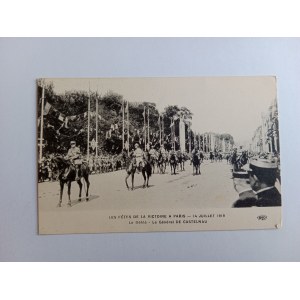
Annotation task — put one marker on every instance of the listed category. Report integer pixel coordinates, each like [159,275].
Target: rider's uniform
[196,152]
[74,155]
[152,153]
[163,152]
[139,156]
[172,152]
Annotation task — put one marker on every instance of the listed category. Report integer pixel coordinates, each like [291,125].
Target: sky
[219,104]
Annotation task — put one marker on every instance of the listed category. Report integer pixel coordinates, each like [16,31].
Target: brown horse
[62,165]
[131,167]
[162,163]
[196,163]
[173,163]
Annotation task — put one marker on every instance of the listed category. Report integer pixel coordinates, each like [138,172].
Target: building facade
[266,136]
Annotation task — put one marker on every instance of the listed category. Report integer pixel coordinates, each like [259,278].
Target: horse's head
[59,161]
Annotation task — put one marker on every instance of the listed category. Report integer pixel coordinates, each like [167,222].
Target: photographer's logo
[262,217]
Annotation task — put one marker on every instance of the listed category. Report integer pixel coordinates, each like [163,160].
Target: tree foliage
[73,106]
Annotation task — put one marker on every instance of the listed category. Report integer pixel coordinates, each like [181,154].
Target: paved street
[212,189]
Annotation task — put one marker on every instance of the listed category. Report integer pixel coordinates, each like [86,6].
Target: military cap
[72,142]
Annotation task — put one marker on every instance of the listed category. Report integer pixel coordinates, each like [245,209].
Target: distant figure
[234,160]
[211,156]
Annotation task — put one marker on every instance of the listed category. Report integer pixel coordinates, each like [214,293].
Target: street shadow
[83,200]
[142,187]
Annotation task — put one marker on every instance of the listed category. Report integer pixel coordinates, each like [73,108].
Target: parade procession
[108,149]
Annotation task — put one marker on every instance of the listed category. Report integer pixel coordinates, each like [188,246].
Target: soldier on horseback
[74,157]
[152,152]
[139,156]
[162,151]
[195,152]
[173,153]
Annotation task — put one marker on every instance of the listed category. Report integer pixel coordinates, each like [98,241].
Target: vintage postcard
[157,154]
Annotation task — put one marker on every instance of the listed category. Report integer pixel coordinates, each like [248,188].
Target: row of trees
[72,105]
[58,134]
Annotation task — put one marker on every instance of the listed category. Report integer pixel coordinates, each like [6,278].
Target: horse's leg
[87,187]
[69,193]
[132,180]
[144,175]
[61,193]
[80,189]
[126,180]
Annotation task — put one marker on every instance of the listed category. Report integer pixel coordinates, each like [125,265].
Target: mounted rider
[179,155]
[173,153]
[195,152]
[139,156]
[152,152]
[162,151]
[74,157]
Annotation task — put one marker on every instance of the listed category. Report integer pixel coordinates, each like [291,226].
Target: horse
[131,169]
[153,161]
[173,163]
[201,157]
[162,163]
[181,160]
[62,164]
[196,163]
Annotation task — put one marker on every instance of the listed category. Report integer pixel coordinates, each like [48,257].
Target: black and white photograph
[157,154]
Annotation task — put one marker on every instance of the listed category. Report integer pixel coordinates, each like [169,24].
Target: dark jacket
[269,197]
[246,199]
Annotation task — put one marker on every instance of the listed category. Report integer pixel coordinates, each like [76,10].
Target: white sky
[220,104]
